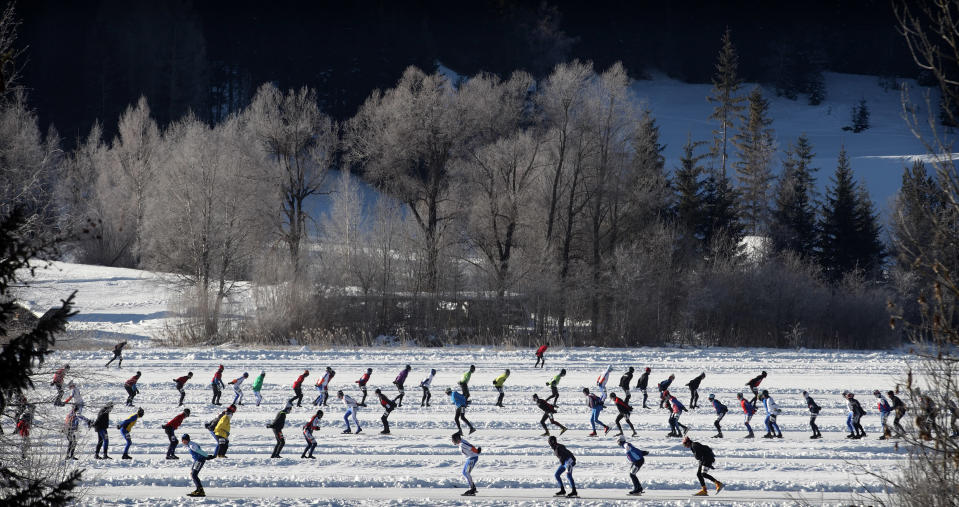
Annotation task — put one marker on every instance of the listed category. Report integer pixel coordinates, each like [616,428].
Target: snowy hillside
[114,303]
[878,154]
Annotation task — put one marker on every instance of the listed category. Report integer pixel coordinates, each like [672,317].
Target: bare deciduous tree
[301,143]
[127,180]
[199,225]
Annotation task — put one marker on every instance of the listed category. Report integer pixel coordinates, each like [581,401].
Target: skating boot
[572,494]
[701,492]
[719,486]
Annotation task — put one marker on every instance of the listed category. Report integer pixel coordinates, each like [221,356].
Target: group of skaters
[888,405]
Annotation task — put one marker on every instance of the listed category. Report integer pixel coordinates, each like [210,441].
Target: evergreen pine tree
[722,230]
[871,250]
[755,145]
[918,201]
[689,187]
[729,105]
[793,224]
[850,230]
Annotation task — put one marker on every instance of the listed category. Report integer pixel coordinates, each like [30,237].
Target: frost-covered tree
[127,179]
[408,138]
[560,100]
[300,144]
[498,182]
[29,163]
[348,260]
[199,225]
[725,94]
[756,144]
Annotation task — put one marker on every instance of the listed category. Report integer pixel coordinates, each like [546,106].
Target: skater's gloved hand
[479,450]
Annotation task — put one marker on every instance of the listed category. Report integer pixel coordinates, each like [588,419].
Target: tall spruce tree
[871,249]
[690,195]
[722,229]
[849,237]
[725,94]
[793,226]
[755,144]
[918,203]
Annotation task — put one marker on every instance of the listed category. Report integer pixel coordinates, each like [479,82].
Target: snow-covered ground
[115,304]
[417,464]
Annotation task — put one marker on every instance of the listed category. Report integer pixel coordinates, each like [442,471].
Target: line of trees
[508,209]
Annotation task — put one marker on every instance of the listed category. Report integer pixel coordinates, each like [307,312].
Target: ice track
[417,463]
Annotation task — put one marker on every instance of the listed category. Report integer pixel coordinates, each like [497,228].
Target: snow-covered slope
[878,154]
[114,303]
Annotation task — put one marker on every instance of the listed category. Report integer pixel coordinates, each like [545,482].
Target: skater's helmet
[140,412]
[319,413]
[712,397]
[562,371]
[672,376]
[189,374]
[138,374]
[739,396]
[221,367]
[329,369]
[552,441]
[185,437]
[457,437]
[377,390]
[186,412]
[765,393]
[449,391]
[369,370]
[687,442]
[507,371]
[408,367]
[585,390]
[339,394]
[306,372]
[231,409]
[621,440]
[245,374]
[877,393]
[535,397]
[472,367]
[66,367]
[648,369]
[613,396]
[805,394]
[262,372]
[631,369]
[763,373]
